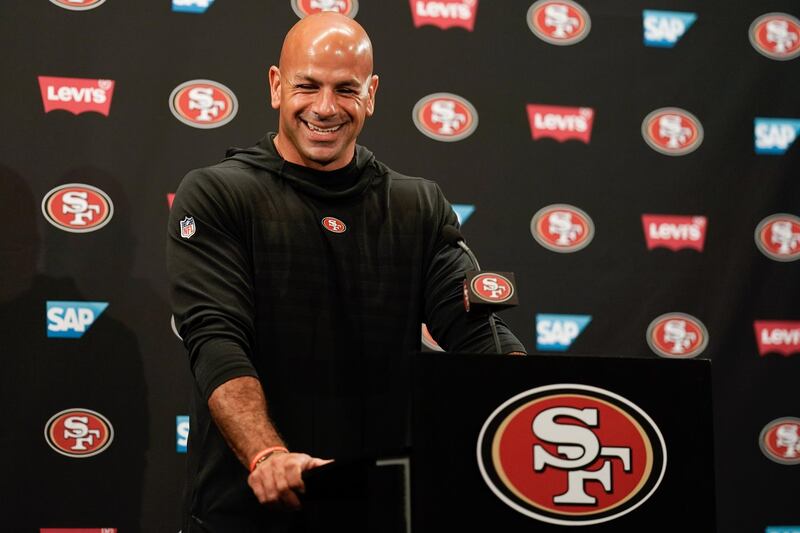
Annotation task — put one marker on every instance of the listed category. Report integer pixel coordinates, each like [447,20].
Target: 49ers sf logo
[203,104]
[77,208]
[562,228]
[776,36]
[445,117]
[334,225]
[492,287]
[559,22]
[308,7]
[780,440]
[78,5]
[677,336]
[778,237]
[672,131]
[571,454]
[79,433]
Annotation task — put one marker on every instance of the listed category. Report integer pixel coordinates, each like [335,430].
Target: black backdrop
[130,367]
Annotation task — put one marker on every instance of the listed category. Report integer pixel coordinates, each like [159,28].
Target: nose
[324,104]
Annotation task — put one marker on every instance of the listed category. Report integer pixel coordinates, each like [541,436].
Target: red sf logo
[677,336]
[777,336]
[778,237]
[780,440]
[79,433]
[78,5]
[203,104]
[674,231]
[562,228]
[571,454]
[445,117]
[444,13]
[672,131]
[334,225]
[77,208]
[76,95]
[303,8]
[492,287]
[559,22]
[776,36]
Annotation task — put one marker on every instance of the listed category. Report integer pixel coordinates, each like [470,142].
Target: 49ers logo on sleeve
[571,454]
[674,232]
[445,117]
[77,208]
[308,7]
[492,287]
[78,5]
[672,131]
[778,237]
[79,433]
[444,13]
[203,104]
[560,22]
[334,225]
[76,95]
[677,336]
[560,123]
[777,336]
[780,440]
[776,36]
[562,228]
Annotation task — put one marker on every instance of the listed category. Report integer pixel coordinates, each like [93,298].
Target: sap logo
[182,433]
[775,135]
[665,28]
[463,212]
[557,332]
[70,320]
[191,6]
[782,529]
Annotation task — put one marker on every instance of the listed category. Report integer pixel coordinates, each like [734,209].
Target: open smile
[320,130]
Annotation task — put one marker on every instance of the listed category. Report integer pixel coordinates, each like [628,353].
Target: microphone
[483,290]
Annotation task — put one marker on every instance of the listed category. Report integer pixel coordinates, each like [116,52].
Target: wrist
[265,454]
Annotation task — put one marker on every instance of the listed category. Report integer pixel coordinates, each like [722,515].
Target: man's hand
[278,480]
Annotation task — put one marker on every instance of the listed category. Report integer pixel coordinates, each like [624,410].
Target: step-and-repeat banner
[633,162]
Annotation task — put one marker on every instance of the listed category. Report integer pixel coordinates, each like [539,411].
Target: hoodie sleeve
[210,277]
[453,328]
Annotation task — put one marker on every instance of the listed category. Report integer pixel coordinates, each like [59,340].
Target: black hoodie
[316,283]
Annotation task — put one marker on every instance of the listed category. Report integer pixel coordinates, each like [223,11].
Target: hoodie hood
[346,182]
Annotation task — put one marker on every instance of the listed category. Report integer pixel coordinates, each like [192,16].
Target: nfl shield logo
[187,227]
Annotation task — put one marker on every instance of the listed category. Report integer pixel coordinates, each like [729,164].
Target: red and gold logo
[677,336]
[562,228]
[334,225]
[776,36]
[778,237]
[559,22]
[304,8]
[78,5]
[77,208]
[203,104]
[780,440]
[672,131]
[79,433]
[445,117]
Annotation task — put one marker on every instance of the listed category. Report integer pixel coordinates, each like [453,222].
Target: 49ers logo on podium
[78,5]
[77,208]
[571,454]
[778,237]
[303,8]
[562,228]
[776,36]
[445,117]
[672,131]
[334,225]
[677,336]
[492,287]
[203,104]
[79,433]
[780,440]
[559,22]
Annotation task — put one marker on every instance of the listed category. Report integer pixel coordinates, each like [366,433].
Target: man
[301,269]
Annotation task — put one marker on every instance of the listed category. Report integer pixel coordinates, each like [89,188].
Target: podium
[542,443]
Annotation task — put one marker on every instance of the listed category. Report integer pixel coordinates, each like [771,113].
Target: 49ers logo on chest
[303,8]
[334,225]
[571,454]
[203,104]
[79,433]
[559,22]
[672,131]
[562,228]
[776,36]
[677,336]
[77,208]
[445,117]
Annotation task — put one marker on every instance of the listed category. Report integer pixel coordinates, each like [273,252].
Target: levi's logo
[444,13]
[76,95]
[674,231]
[777,336]
[560,123]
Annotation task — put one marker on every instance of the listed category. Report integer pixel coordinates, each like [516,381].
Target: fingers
[278,480]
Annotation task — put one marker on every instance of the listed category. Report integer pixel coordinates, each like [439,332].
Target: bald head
[327,36]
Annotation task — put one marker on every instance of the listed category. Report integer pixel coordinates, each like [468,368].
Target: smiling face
[324,90]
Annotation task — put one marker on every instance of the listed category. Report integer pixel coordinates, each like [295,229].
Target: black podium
[543,443]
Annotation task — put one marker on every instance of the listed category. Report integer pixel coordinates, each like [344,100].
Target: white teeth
[322,130]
